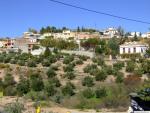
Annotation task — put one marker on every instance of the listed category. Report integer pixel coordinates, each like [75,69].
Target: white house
[133,47]
[146,35]
[110,32]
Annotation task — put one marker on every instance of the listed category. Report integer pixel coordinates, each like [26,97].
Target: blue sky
[16,16]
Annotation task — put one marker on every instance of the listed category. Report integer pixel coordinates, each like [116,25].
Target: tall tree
[121,31]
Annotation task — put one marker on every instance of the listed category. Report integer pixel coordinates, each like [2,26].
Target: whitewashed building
[111,32]
[133,47]
[146,35]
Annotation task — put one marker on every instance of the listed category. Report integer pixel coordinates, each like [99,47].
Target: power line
[98,12]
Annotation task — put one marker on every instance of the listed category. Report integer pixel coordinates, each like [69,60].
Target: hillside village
[31,39]
[74,69]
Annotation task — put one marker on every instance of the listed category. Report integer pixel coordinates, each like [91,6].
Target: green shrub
[13,61]
[133,56]
[101,62]
[101,76]
[2,58]
[79,62]
[36,82]
[23,87]
[31,63]
[51,73]
[89,68]
[88,93]
[100,92]
[52,59]
[68,59]
[88,81]
[7,59]
[10,91]
[68,68]
[70,75]
[47,52]
[84,58]
[68,90]
[54,81]
[130,66]
[46,63]
[15,107]
[108,69]
[146,66]
[119,79]
[9,80]
[21,62]
[50,89]
[36,95]
[118,65]
[138,72]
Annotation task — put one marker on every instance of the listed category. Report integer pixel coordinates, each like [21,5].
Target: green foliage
[138,71]
[70,75]
[31,63]
[146,66]
[54,81]
[21,62]
[36,82]
[47,52]
[68,68]
[52,58]
[100,92]
[68,59]
[68,90]
[144,93]
[2,58]
[10,91]
[84,58]
[90,43]
[89,68]
[88,81]
[23,87]
[108,69]
[101,76]
[130,66]
[88,93]
[13,61]
[100,61]
[50,89]
[113,45]
[133,56]
[8,80]
[51,73]
[35,47]
[46,63]
[119,79]
[79,62]
[119,65]
[36,95]
[15,107]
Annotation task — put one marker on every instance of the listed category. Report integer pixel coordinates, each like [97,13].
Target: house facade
[110,32]
[133,48]
[146,35]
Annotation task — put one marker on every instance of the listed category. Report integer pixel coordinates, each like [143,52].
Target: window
[129,50]
[134,50]
[141,50]
[123,50]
